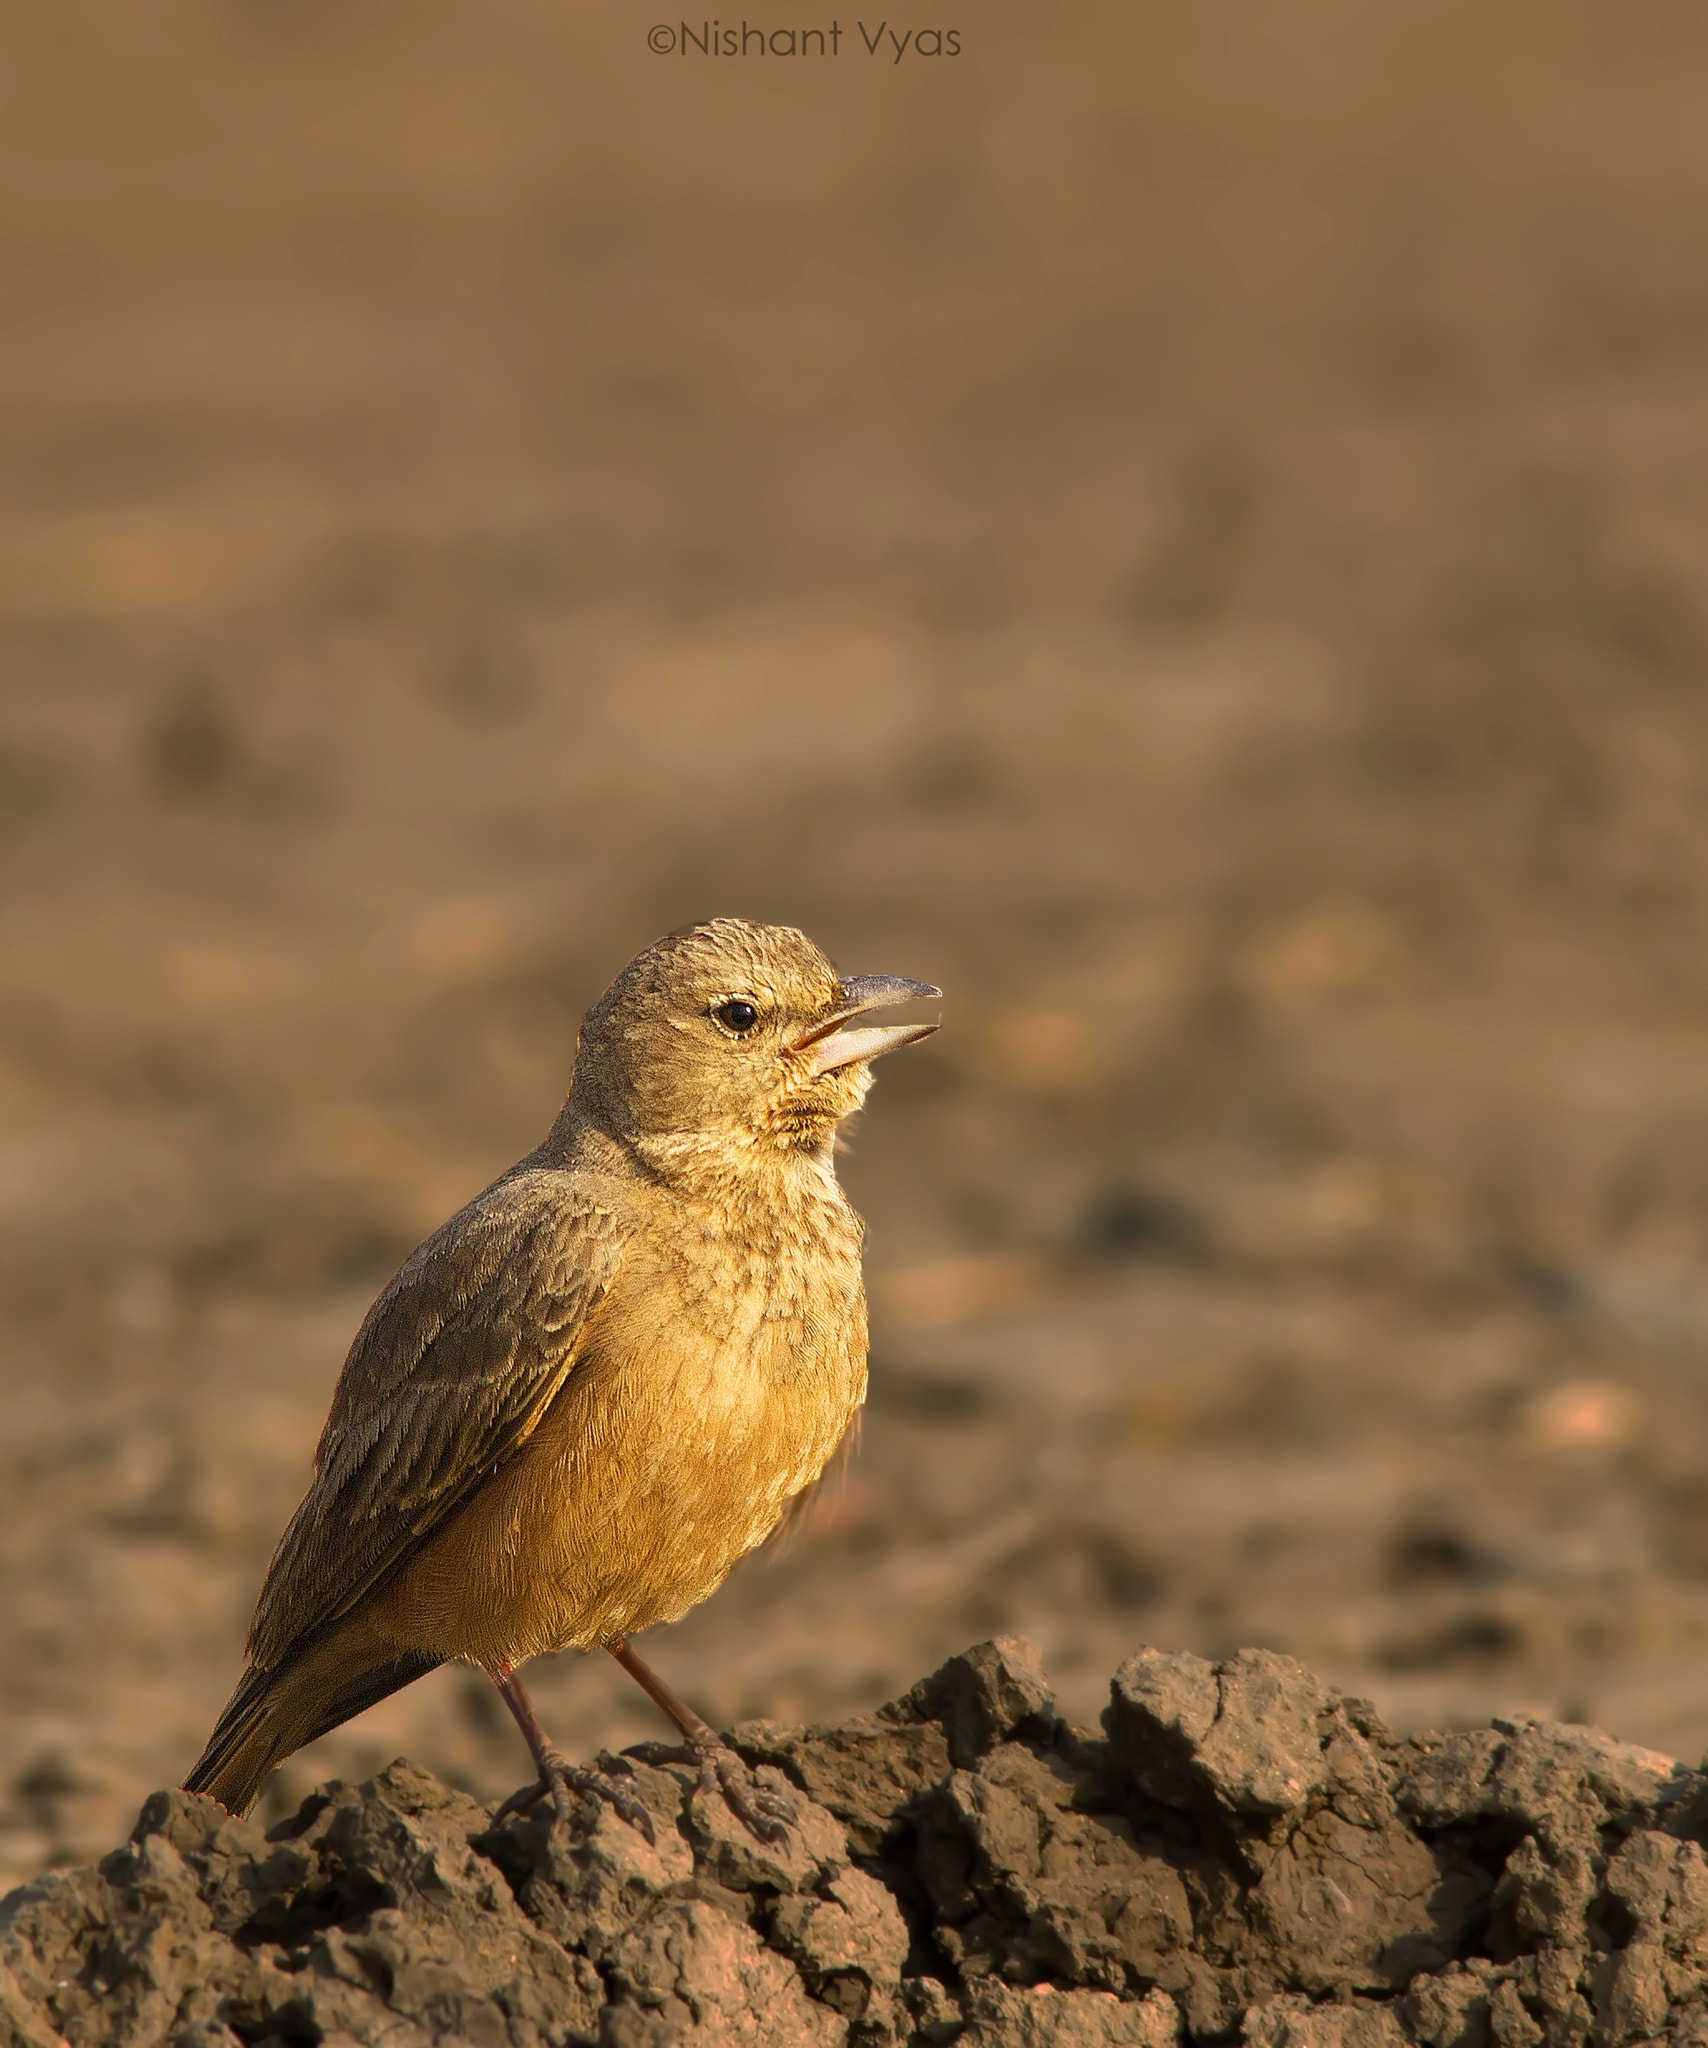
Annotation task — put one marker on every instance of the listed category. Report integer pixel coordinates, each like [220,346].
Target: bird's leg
[558,1776]
[766,1813]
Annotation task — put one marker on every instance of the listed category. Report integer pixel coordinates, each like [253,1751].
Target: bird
[604,1381]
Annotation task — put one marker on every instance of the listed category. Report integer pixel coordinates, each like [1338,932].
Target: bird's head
[735,1037]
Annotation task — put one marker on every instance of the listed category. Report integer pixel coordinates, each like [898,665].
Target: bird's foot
[766,1814]
[564,1778]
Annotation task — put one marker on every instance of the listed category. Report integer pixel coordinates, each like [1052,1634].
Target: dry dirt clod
[1246,1857]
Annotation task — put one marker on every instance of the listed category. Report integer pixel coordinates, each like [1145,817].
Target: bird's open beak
[838,1041]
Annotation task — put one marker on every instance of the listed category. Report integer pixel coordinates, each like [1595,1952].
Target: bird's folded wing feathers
[449,1376]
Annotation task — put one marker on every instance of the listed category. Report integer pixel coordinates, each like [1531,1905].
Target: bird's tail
[274,1713]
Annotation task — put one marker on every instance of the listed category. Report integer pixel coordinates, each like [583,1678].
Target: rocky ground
[1243,1853]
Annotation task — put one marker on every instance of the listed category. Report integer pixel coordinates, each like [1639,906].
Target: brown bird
[601,1383]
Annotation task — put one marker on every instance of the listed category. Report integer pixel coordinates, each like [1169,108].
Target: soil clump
[1243,1854]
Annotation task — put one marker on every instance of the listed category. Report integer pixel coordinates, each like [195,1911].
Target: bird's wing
[449,1376]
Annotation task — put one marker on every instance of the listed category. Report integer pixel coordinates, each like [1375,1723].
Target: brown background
[1187,525]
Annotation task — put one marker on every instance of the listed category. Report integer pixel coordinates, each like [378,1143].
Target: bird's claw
[766,1814]
[523,1800]
[565,1778]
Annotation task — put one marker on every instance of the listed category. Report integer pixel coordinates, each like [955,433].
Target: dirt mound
[1243,1852]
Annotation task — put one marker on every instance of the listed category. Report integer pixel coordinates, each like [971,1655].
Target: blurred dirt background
[1187,525]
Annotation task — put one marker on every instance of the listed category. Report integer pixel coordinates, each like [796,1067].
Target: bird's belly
[642,1487]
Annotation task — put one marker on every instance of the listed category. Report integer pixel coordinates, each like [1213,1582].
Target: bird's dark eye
[737,1014]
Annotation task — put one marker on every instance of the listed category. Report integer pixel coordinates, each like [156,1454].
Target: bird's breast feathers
[737,1325]
[700,1407]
